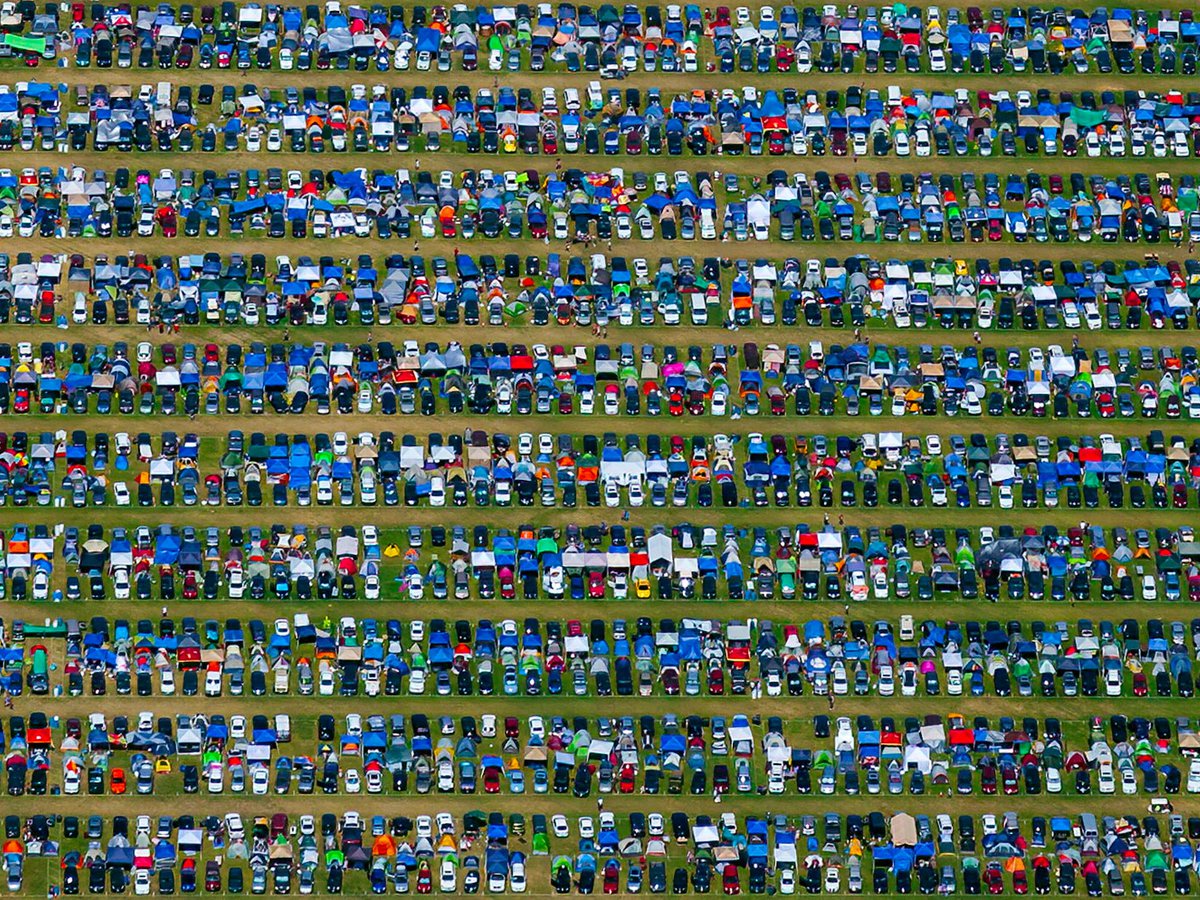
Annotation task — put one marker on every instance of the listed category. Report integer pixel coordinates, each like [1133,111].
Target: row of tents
[470,290]
[602,39]
[773,380]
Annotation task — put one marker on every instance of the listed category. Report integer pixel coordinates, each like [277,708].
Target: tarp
[25,44]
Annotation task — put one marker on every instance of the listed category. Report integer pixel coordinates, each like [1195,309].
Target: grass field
[798,713]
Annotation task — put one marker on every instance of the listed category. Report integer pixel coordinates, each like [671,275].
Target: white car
[886,681]
[216,778]
[1193,778]
[1129,783]
[448,876]
[260,781]
[516,877]
[1149,587]
[1053,781]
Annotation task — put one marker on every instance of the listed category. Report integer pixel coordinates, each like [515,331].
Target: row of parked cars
[738,755]
[591,561]
[382,118]
[682,561]
[729,471]
[503,471]
[491,290]
[603,204]
[607,40]
[647,852]
[695,657]
[501,379]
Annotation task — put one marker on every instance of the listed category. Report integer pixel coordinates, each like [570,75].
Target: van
[1087,827]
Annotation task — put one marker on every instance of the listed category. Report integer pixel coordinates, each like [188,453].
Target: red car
[508,586]
[1140,688]
[595,585]
[116,784]
[730,882]
[1008,780]
[987,779]
[167,221]
[612,876]
[1020,882]
[424,879]
[491,780]
[627,781]
[993,879]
